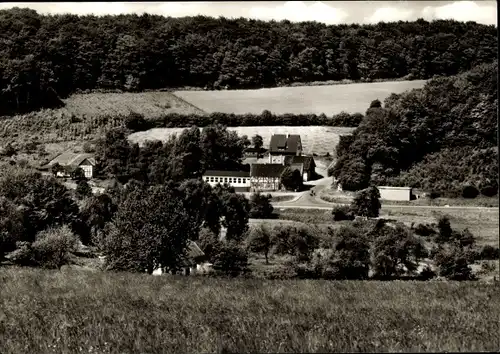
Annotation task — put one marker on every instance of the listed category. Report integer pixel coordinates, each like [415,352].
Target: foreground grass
[73,311]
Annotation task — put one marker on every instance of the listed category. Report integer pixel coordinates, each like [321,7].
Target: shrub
[427,273]
[434,195]
[83,189]
[231,260]
[453,263]
[342,212]
[53,247]
[489,191]
[488,252]
[470,192]
[424,230]
[88,148]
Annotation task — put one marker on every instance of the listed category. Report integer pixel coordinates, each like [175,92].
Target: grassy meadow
[315,139]
[483,223]
[73,311]
[333,99]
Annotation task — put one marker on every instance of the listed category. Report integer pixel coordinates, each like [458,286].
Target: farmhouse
[192,263]
[240,180]
[266,177]
[395,193]
[282,145]
[305,164]
[70,161]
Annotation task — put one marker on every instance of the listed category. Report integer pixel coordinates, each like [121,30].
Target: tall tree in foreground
[150,229]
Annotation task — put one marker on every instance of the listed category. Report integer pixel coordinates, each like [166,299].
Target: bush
[453,264]
[53,247]
[351,255]
[260,206]
[424,230]
[470,192]
[83,189]
[209,243]
[427,273]
[488,252]
[231,260]
[342,212]
[434,195]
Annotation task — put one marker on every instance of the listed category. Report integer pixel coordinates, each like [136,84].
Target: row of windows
[227,179]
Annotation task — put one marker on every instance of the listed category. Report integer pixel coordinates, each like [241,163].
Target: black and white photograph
[249,177]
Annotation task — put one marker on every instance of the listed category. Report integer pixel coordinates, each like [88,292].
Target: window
[239,180]
[211,179]
[216,179]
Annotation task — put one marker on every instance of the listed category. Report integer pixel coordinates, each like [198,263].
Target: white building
[240,180]
[395,193]
[70,161]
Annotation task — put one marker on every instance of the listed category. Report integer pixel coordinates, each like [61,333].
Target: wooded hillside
[440,138]
[42,57]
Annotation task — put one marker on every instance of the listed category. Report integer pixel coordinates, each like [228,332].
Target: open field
[319,140]
[85,114]
[483,223]
[77,311]
[333,99]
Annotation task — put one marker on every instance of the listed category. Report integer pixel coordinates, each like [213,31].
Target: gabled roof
[266,170]
[193,253]
[307,161]
[72,159]
[289,143]
[218,173]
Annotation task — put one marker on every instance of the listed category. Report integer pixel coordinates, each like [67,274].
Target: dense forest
[440,138]
[43,57]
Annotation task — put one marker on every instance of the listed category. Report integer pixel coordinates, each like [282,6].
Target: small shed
[395,193]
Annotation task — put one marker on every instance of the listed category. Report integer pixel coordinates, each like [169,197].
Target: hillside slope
[45,56]
[442,137]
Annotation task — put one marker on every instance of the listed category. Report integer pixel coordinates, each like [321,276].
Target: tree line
[441,138]
[139,228]
[47,56]
[137,122]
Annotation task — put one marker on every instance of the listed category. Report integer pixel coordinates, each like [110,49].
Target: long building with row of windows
[284,151]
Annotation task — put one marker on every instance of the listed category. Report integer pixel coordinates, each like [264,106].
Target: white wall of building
[243,182]
[395,193]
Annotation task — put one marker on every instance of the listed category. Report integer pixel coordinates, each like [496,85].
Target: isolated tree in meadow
[260,206]
[53,247]
[257,141]
[351,256]
[445,232]
[261,241]
[150,229]
[367,202]
[396,251]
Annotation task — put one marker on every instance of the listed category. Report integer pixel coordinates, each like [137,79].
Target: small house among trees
[64,164]
[305,165]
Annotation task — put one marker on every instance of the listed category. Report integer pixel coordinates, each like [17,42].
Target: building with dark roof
[266,177]
[305,164]
[282,145]
[239,180]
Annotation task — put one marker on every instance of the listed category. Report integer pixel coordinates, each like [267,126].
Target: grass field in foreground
[315,139]
[333,99]
[76,311]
